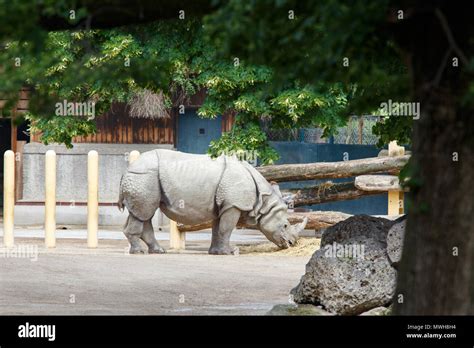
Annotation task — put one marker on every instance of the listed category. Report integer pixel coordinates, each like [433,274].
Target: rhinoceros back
[192,188]
[188,185]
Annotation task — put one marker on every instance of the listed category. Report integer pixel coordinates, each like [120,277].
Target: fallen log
[323,170]
[326,192]
[316,220]
[378,183]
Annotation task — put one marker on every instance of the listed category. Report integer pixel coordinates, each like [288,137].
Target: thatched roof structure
[147,104]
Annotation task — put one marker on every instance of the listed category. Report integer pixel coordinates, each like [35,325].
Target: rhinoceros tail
[120,200]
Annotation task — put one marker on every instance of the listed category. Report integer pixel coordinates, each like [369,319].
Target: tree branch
[449,36]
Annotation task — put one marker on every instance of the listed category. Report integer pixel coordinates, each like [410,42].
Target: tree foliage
[174,57]
[321,43]
[303,69]
[247,142]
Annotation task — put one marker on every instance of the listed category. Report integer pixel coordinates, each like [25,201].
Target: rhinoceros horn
[299,227]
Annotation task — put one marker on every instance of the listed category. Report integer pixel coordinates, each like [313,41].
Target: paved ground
[72,279]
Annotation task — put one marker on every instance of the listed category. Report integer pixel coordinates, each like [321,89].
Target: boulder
[395,237]
[351,272]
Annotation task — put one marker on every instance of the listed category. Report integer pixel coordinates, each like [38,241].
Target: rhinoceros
[193,189]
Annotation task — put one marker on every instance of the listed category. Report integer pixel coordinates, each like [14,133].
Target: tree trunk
[324,170]
[326,192]
[436,275]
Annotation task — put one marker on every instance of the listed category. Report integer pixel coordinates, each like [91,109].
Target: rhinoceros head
[271,212]
[275,224]
[276,227]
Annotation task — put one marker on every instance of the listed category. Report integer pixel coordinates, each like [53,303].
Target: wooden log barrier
[377,183]
[316,220]
[326,192]
[324,170]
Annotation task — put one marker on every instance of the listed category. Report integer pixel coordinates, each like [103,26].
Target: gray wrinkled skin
[193,189]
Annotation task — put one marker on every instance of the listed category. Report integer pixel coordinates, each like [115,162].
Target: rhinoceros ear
[263,188]
[276,188]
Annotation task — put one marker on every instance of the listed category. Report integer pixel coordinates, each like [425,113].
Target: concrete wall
[72,182]
[72,170]
[33,215]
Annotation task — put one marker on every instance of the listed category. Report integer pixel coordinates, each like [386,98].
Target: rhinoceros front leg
[148,236]
[133,231]
[221,230]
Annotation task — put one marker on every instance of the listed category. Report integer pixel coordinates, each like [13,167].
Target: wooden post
[92,198]
[133,156]
[395,198]
[395,203]
[50,199]
[177,238]
[8,197]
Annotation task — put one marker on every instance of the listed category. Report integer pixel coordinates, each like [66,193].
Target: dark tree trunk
[436,274]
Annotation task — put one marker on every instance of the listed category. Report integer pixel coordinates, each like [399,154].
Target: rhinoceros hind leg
[148,236]
[133,230]
[221,230]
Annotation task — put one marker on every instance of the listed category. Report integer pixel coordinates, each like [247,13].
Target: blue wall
[299,152]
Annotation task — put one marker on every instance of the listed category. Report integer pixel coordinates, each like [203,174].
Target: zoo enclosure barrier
[50,197]
[363,184]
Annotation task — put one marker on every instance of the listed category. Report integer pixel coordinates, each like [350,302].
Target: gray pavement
[72,279]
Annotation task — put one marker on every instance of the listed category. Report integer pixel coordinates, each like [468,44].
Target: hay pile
[304,247]
[147,104]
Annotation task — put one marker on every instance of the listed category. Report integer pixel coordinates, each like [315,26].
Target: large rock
[351,272]
[395,237]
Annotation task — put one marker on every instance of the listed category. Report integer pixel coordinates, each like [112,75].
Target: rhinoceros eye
[285,226]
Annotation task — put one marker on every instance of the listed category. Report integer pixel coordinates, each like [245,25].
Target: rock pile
[354,271]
